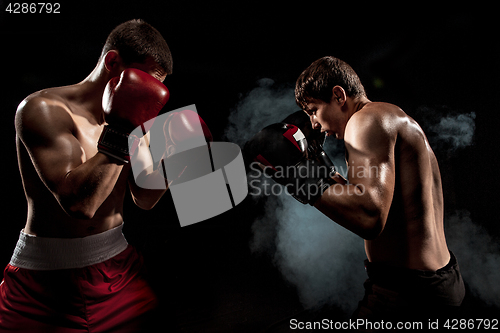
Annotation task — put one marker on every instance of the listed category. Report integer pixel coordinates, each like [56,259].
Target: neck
[357,104]
[91,89]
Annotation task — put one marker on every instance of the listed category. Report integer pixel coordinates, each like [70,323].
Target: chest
[87,133]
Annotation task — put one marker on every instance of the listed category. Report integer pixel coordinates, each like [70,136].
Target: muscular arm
[363,205]
[80,184]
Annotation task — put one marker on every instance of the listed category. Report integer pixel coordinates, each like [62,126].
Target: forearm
[146,181]
[352,207]
[148,188]
[84,188]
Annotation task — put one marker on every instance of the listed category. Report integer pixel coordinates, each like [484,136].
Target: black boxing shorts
[396,292]
[90,284]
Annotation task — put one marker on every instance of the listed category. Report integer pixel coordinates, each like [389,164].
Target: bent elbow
[373,227]
[371,233]
[80,213]
[77,210]
[144,204]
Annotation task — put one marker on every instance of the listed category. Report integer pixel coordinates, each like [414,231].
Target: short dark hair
[318,80]
[135,41]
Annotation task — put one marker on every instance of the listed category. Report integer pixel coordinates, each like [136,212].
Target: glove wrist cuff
[117,143]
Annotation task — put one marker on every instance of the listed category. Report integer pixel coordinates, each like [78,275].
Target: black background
[205,273]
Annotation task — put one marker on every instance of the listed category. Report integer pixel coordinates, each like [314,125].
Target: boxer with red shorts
[72,269]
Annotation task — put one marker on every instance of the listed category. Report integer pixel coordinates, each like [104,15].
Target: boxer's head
[322,90]
[318,80]
[137,44]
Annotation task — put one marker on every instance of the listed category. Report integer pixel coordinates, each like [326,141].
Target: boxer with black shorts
[393,200]
[72,269]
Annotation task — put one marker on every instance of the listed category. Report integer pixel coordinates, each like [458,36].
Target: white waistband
[41,253]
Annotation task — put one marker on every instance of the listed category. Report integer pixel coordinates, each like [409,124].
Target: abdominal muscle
[46,218]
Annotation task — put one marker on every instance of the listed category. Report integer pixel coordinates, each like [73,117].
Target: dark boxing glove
[315,140]
[128,102]
[281,152]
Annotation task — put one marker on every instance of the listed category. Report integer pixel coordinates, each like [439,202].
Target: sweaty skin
[394,198]
[71,189]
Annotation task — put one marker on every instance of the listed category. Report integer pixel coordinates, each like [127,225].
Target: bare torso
[413,235]
[46,217]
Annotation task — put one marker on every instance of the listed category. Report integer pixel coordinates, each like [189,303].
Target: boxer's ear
[339,95]
[112,61]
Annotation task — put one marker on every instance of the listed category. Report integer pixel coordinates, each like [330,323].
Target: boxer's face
[328,117]
[115,66]
[149,67]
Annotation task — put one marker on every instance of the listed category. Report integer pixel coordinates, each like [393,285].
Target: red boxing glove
[128,102]
[186,135]
[184,130]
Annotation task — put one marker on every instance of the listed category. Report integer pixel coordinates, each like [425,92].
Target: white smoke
[266,104]
[457,130]
[323,260]
[446,130]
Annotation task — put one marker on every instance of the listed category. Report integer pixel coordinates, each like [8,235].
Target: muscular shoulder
[385,115]
[41,114]
[374,123]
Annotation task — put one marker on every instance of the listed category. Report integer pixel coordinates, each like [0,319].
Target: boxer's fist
[185,130]
[133,98]
[281,151]
[186,136]
[276,147]
[315,141]
[129,101]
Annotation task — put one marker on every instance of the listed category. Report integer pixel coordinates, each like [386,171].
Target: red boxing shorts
[43,293]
